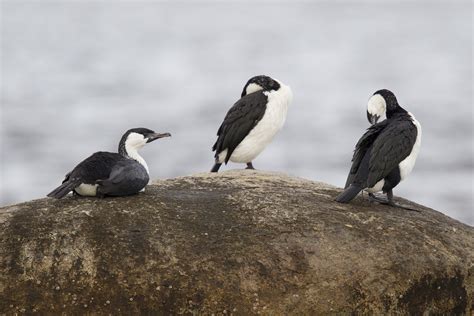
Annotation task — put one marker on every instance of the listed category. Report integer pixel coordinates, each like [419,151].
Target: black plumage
[380,150]
[115,174]
[242,117]
[126,177]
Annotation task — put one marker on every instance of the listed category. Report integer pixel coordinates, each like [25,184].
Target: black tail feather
[216,167]
[64,189]
[348,194]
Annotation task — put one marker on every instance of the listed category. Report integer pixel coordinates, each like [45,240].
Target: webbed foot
[250,166]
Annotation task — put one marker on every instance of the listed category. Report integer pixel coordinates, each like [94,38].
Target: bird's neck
[284,95]
[397,112]
[132,153]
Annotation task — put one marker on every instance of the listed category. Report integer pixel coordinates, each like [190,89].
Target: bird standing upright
[252,122]
[385,154]
[111,174]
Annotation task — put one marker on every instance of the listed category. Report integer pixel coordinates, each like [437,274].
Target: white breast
[132,152]
[86,189]
[406,166]
[262,134]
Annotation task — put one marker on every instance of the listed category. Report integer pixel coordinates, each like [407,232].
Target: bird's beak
[155,136]
[373,119]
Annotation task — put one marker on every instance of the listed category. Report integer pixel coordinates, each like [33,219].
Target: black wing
[390,148]
[128,170]
[96,167]
[239,121]
[361,148]
[127,177]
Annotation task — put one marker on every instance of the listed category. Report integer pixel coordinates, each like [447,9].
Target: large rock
[238,242]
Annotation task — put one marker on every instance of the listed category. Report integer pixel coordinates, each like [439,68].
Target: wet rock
[237,242]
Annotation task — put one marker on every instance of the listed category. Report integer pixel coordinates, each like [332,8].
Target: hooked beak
[155,136]
[373,119]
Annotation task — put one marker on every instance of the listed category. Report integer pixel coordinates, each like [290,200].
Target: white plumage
[134,142]
[406,166]
[377,106]
[86,189]
[262,134]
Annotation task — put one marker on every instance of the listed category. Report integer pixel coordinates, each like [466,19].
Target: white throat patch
[377,106]
[133,143]
[253,87]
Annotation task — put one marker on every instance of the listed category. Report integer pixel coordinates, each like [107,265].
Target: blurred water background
[76,75]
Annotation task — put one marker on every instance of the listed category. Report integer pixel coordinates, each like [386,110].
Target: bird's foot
[404,207]
[250,166]
[373,198]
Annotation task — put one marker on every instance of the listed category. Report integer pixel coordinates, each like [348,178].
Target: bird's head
[136,138]
[381,104]
[258,83]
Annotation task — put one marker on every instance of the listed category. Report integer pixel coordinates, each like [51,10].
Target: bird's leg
[250,166]
[216,167]
[390,198]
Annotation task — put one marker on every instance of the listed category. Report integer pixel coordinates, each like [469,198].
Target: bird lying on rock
[111,174]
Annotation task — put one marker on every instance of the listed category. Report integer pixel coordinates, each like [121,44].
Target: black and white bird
[252,122]
[112,174]
[385,154]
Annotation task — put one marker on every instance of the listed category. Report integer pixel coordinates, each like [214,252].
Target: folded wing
[361,149]
[239,121]
[390,148]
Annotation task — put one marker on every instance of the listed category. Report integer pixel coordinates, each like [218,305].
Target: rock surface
[237,242]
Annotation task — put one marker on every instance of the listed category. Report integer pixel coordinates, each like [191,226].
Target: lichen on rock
[237,242]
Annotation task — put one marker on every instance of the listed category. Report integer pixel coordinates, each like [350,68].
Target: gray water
[76,75]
